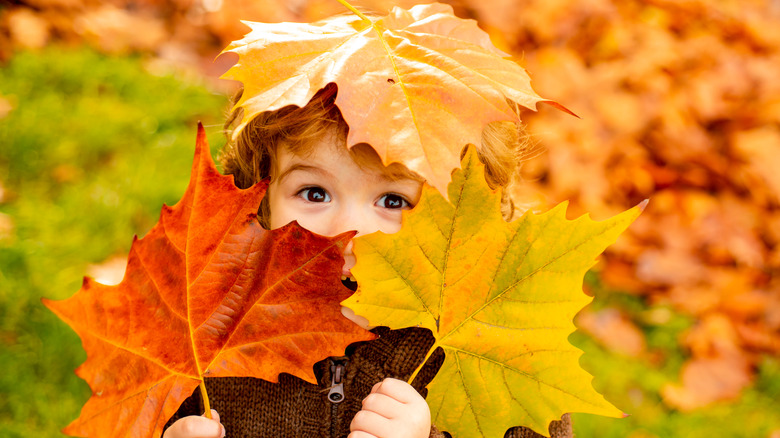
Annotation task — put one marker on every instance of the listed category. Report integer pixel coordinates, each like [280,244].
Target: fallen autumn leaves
[680,105]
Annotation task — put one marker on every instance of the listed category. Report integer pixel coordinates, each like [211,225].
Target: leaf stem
[205,397]
[354,10]
[424,361]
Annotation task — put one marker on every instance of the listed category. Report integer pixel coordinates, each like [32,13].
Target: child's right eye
[314,194]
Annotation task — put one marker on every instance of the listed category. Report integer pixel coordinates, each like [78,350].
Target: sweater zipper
[338,368]
[337,371]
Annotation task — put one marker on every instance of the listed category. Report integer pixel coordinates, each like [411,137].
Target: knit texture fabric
[253,408]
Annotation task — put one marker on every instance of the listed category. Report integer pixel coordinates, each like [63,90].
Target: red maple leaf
[208,292]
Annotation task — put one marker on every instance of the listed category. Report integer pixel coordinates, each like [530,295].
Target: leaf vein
[468,396]
[406,281]
[136,353]
[498,107]
[157,289]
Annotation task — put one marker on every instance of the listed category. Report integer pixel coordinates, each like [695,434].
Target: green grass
[91,150]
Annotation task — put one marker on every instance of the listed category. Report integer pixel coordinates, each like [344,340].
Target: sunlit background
[678,102]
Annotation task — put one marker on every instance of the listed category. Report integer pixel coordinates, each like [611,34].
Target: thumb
[215,417]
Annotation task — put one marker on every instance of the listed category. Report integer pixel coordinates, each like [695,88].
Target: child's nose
[353,219]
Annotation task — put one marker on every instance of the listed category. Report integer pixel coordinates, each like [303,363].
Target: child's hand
[393,409]
[196,427]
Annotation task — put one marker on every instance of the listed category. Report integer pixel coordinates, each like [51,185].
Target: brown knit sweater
[250,408]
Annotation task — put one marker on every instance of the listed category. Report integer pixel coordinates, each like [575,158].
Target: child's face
[328,193]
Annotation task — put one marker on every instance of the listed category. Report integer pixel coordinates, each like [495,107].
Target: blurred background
[679,103]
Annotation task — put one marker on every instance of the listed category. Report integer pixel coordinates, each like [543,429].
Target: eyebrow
[392,176]
[303,168]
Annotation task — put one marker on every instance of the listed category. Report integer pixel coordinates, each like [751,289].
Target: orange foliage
[467,83]
[680,103]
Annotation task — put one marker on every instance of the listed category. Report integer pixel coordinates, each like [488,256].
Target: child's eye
[314,194]
[393,201]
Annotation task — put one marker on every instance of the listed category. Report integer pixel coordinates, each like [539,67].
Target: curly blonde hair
[251,157]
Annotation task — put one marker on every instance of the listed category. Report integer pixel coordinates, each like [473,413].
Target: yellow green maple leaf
[499,297]
[400,79]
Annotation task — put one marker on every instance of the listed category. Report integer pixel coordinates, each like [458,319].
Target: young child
[330,189]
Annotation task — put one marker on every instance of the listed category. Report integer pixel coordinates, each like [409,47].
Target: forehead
[330,151]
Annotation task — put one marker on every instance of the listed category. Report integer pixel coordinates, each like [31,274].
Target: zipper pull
[337,371]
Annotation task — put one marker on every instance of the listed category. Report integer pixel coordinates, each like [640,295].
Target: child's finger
[383,405]
[396,389]
[214,415]
[370,422]
[196,427]
[360,434]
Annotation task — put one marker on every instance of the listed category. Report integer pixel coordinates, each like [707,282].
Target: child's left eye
[393,201]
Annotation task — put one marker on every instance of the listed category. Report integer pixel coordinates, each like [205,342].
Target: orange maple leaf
[417,85]
[208,292]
